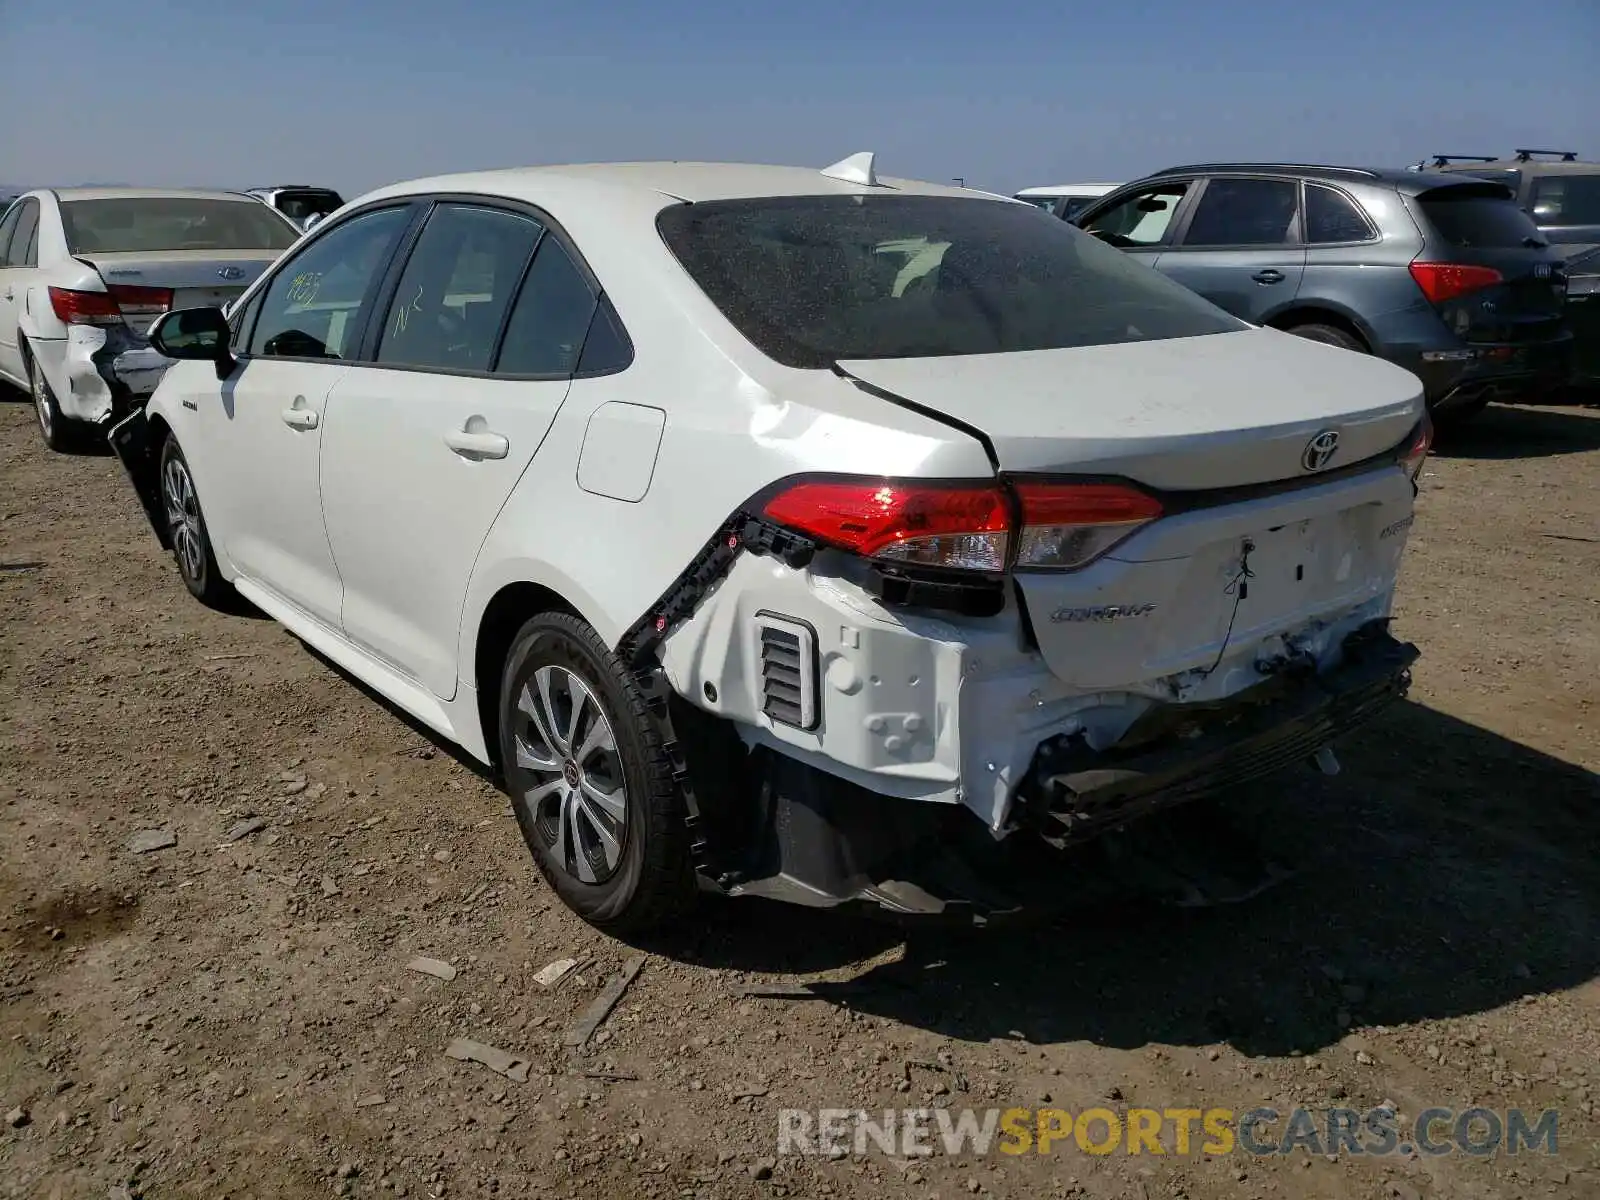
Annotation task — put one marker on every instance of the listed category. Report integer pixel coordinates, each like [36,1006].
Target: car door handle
[477,444]
[1268,276]
[300,418]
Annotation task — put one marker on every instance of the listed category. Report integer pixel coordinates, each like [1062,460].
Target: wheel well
[1320,316]
[511,607]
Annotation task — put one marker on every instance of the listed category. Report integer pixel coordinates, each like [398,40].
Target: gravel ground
[234,1014]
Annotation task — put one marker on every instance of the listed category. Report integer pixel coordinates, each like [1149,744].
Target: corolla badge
[1103,612]
[1320,450]
[231,272]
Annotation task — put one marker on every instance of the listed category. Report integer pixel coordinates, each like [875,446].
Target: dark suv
[1443,274]
[1561,194]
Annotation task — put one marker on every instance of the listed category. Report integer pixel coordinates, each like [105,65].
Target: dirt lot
[215,1019]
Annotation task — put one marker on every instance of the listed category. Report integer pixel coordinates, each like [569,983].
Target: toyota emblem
[1320,450]
[231,272]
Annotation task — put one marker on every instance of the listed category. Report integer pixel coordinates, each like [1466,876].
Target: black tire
[1330,335]
[186,526]
[651,880]
[1457,415]
[59,431]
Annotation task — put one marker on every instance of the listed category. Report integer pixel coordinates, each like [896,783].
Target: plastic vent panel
[788,670]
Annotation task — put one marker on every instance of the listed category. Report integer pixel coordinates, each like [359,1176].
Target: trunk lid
[196,278]
[1182,414]
[1230,575]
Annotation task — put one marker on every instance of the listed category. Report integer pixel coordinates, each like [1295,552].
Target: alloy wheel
[183,517]
[41,400]
[574,794]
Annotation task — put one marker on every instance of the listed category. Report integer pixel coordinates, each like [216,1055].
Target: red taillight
[1063,525]
[110,306]
[918,525]
[140,301]
[1069,525]
[1417,451]
[1441,282]
[85,308]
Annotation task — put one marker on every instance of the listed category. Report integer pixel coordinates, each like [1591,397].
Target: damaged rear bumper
[110,372]
[819,840]
[1177,753]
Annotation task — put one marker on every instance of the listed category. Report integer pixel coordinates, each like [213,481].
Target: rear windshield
[811,280]
[135,224]
[297,206]
[1561,200]
[1482,216]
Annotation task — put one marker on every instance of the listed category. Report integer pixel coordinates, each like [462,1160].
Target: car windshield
[812,280]
[1561,200]
[137,224]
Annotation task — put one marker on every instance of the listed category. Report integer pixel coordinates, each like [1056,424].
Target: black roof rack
[1566,155]
[1444,160]
[1260,166]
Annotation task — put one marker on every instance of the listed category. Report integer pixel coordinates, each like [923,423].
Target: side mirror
[194,333]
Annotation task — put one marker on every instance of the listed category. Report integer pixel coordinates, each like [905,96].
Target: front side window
[1561,200]
[315,306]
[457,285]
[1141,219]
[1244,212]
[1331,216]
[812,280]
[143,224]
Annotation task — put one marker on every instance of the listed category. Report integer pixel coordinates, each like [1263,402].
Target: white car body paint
[81,362]
[372,538]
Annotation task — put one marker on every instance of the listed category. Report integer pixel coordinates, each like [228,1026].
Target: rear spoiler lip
[1175,501]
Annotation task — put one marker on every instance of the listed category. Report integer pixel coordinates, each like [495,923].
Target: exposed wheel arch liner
[495,631]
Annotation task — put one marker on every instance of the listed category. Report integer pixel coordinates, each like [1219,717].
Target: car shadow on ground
[1446,871]
[1511,431]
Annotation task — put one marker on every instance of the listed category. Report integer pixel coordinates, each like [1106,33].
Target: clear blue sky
[358,93]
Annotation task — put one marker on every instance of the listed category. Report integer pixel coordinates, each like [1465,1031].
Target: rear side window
[457,285]
[1244,212]
[552,314]
[8,226]
[1561,200]
[1331,216]
[24,251]
[811,280]
[138,224]
[1478,216]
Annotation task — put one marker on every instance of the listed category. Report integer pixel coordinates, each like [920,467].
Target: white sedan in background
[83,273]
[808,534]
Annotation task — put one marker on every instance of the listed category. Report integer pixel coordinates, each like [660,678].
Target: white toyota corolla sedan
[798,533]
